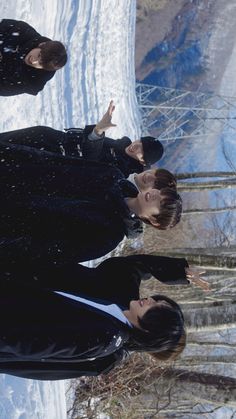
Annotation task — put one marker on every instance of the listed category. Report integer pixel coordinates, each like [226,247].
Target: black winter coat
[47,336]
[48,139]
[60,209]
[50,337]
[16,77]
[75,143]
[110,151]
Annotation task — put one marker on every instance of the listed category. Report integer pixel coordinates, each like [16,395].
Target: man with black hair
[27,59]
[56,207]
[74,320]
[129,156]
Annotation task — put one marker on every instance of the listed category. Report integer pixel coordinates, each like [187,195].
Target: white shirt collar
[111,309]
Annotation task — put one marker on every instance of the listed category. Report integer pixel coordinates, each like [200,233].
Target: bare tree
[195,175]
[196,211]
[213,185]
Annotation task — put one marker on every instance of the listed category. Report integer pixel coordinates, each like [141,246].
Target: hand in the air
[193,274]
[105,122]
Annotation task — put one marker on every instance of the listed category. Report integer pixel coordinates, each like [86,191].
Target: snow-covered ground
[99,35]
[31,399]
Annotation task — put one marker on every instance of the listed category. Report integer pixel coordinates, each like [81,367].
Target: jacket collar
[119,149]
[121,190]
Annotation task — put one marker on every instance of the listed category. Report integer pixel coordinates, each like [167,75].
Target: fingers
[105,122]
[194,271]
[111,107]
[194,276]
[200,283]
[204,285]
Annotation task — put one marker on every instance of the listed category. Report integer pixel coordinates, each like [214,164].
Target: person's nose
[149,301]
[150,179]
[153,194]
[156,194]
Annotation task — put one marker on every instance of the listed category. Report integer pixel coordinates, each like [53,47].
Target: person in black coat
[90,143]
[129,156]
[49,139]
[27,59]
[62,209]
[50,334]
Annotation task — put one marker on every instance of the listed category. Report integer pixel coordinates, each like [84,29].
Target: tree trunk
[208,210]
[195,175]
[200,386]
[214,184]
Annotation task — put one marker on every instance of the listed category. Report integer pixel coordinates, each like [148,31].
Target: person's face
[145,180]
[135,150]
[149,203]
[137,309]
[33,58]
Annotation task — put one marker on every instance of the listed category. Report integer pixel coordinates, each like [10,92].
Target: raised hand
[105,122]
[193,274]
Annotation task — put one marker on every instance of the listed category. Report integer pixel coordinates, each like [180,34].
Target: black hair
[170,210]
[165,179]
[161,327]
[152,150]
[53,55]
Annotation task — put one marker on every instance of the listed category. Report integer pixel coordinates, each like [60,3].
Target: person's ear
[41,44]
[154,222]
[150,221]
[141,159]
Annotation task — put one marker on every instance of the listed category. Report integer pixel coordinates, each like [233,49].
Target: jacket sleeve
[38,137]
[121,269]
[44,138]
[6,91]
[168,270]
[30,89]
[92,149]
[33,89]
[63,370]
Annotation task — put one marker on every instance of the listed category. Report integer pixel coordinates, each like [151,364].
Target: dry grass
[119,393]
[144,7]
